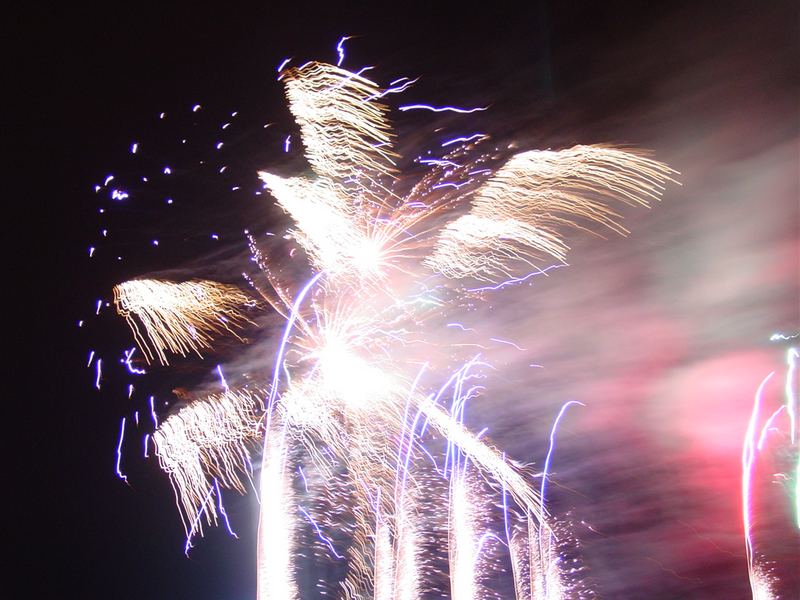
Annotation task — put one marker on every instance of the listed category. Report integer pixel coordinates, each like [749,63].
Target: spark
[134,148]
[190,534]
[460,326]
[120,474]
[178,317]
[477,136]
[463,111]
[340,50]
[516,280]
[222,378]
[552,446]
[439,162]
[127,362]
[322,537]
[153,412]
[303,477]
[99,372]
[284,62]
[222,510]
[782,337]
[501,341]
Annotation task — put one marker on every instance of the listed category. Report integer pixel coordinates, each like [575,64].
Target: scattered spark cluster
[362,425]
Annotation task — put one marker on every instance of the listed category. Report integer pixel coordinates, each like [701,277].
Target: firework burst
[351,396]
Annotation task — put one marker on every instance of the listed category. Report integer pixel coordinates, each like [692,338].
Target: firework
[762,582]
[179,317]
[208,440]
[380,441]
[518,216]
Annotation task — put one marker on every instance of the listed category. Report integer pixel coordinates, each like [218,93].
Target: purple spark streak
[99,373]
[127,362]
[464,139]
[546,472]
[303,476]
[222,510]
[222,378]
[153,412]
[507,342]
[273,392]
[188,545]
[340,50]
[283,64]
[442,108]
[439,162]
[322,537]
[119,451]
[515,280]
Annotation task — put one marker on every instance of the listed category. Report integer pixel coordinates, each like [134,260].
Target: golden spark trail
[518,215]
[179,317]
[208,439]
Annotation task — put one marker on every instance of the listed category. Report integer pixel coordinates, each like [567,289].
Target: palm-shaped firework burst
[396,483]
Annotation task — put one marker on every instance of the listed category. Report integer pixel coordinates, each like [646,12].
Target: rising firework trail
[343,414]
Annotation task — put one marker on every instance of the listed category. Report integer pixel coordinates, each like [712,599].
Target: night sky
[665,333]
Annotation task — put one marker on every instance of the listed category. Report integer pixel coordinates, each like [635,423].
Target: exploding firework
[358,393]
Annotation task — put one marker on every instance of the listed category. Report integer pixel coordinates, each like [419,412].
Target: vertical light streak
[119,451]
[276,527]
[222,510]
[383,576]
[153,412]
[99,373]
[463,540]
[546,471]
[222,378]
[749,452]
[340,50]
[407,575]
[791,391]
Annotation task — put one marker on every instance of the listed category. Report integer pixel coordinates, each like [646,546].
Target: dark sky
[91,81]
